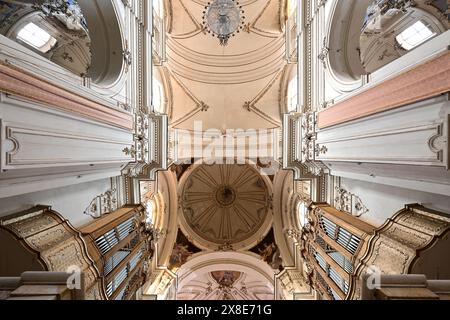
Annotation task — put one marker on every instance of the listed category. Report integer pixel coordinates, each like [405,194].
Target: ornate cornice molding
[300,149]
[424,81]
[150,147]
[18,82]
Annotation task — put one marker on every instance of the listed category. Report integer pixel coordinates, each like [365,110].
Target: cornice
[21,83]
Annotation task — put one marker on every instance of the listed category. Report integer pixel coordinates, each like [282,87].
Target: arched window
[59,34]
[36,37]
[292,95]
[158,32]
[71,34]
[158,95]
[392,29]
[302,214]
[415,34]
[158,7]
[150,212]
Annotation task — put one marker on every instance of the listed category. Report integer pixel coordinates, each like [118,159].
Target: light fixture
[415,35]
[36,37]
[223,18]
[149,210]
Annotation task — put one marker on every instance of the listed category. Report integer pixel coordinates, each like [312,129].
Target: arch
[289,73]
[65,34]
[354,52]
[343,30]
[167,219]
[161,82]
[283,198]
[243,265]
[108,60]
[385,34]
[302,214]
[87,36]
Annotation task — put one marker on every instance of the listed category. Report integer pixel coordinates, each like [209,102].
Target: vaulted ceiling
[235,86]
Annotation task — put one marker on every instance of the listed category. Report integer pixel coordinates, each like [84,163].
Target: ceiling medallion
[225,196]
[223,18]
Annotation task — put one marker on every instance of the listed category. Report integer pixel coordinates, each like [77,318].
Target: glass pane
[415,35]
[36,37]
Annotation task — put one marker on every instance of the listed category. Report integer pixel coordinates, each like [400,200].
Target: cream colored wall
[384,201]
[70,202]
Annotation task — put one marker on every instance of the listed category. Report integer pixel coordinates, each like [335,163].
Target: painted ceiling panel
[236,86]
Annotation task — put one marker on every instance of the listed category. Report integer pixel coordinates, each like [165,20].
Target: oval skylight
[415,35]
[36,37]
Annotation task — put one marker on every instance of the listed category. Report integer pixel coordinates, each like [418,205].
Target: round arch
[109,52]
[343,33]
[243,270]
[283,202]
[167,220]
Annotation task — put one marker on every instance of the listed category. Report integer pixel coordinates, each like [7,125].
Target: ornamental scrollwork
[105,203]
[349,202]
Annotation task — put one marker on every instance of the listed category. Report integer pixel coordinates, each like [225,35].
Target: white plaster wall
[70,201]
[384,201]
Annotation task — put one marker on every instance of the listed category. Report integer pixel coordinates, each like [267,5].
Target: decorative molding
[323,55]
[198,26]
[424,81]
[18,82]
[251,105]
[126,3]
[349,202]
[326,104]
[150,149]
[292,283]
[300,148]
[17,156]
[105,203]
[203,106]
[259,16]
[401,141]
[308,137]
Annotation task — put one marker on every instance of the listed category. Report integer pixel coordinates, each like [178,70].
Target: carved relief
[269,252]
[293,283]
[150,146]
[323,55]
[55,242]
[349,202]
[102,204]
[301,149]
[182,250]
